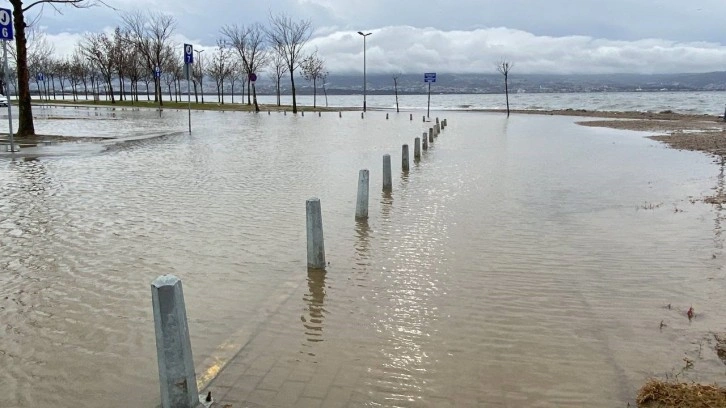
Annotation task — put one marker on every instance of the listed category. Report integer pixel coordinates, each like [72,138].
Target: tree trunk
[254,97]
[315,93]
[110,89]
[506,91]
[249,84]
[395,86]
[292,85]
[52,82]
[278,90]
[196,96]
[25,112]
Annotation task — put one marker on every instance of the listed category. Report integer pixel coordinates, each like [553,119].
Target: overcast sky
[539,36]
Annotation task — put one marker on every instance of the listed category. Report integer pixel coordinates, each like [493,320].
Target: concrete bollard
[386,116]
[387,180]
[404,158]
[417,149]
[340,114]
[177,379]
[425,141]
[361,205]
[424,118]
[268,113]
[411,117]
[437,130]
[302,113]
[437,121]
[314,222]
[431,135]
[284,113]
[319,114]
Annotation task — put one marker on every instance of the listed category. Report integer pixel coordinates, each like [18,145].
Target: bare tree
[220,68]
[100,50]
[249,42]
[25,113]
[504,67]
[288,37]
[313,68]
[395,87]
[236,74]
[324,80]
[277,70]
[151,34]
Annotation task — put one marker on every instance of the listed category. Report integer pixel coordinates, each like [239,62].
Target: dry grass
[669,394]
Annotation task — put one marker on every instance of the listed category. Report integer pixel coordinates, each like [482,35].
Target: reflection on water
[508,269]
[315,308]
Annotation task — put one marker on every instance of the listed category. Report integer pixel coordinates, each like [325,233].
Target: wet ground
[523,262]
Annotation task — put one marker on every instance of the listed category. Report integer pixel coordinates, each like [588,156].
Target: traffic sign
[157,72]
[253,77]
[188,54]
[6,24]
[430,77]
[40,76]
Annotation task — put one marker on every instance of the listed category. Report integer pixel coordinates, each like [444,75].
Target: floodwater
[523,262]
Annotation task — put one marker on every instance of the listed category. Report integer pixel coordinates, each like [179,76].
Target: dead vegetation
[671,394]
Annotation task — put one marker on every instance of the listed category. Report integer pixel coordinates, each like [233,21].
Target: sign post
[188,61]
[6,34]
[429,77]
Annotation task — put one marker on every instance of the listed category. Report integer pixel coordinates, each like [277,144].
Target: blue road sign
[6,24]
[157,72]
[188,54]
[40,76]
[430,77]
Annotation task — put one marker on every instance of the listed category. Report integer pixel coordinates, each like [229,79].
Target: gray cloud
[548,36]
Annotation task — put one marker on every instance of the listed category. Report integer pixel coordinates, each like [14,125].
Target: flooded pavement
[523,262]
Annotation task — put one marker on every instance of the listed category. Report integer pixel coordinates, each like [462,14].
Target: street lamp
[364,67]
[201,72]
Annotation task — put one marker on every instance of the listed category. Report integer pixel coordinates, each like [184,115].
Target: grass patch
[184,105]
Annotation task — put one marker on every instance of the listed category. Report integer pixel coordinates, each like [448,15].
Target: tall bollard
[425,141]
[387,180]
[361,205]
[431,135]
[314,222]
[404,157]
[177,379]
[417,149]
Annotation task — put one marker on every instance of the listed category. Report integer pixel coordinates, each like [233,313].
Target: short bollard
[284,113]
[424,118]
[425,141]
[386,116]
[340,114]
[437,130]
[361,115]
[319,114]
[302,113]
[387,179]
[411,117]
[404,157]
[417,149]
[431,135]
[268,113]
[314,222]
[361,205]
[173,349]
[437,121]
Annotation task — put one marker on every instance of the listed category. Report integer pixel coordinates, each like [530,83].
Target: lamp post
[364,67]
[201,72]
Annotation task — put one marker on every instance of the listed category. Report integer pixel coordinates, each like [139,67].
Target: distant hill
[494,83]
